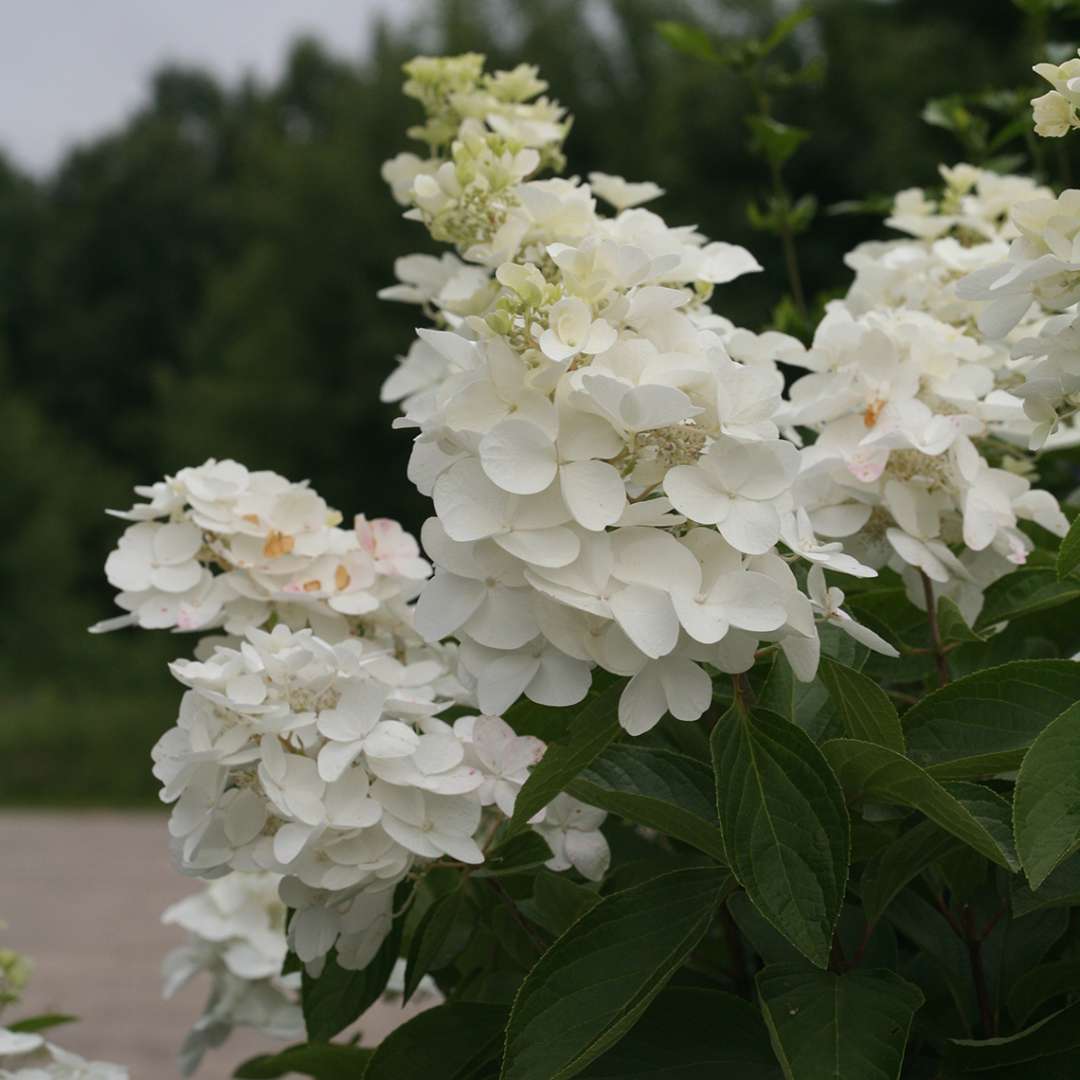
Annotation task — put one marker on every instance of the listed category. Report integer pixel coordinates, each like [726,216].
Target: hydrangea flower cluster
[898,400]
[222,546]
[1055,111]
[610,485]
[236,935]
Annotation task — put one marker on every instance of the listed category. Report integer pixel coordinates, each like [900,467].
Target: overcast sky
[70,69]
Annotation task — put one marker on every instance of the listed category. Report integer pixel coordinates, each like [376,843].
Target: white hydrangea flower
[602,450]
[236,935]
[572,831]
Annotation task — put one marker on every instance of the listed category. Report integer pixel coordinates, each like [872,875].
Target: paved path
[82,894]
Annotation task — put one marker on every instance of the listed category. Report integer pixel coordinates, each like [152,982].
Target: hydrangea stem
[940,652]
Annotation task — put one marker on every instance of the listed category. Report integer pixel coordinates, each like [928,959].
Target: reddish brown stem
[940,652]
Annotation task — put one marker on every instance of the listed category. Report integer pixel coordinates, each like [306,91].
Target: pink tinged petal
[692,493]
[751,527]
[647,617]
[518,457]
[469,505]
[446,603]
[522,754]
[504,619]
[561,680]
[553,547]
[594,493]
[392,739]
[588,852]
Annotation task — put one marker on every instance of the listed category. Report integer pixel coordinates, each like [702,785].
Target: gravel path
[82,894]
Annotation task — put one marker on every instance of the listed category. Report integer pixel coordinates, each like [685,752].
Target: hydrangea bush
[722,722]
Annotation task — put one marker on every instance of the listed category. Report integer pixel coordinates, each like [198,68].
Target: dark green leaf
[1026,592]
[952,624]
[775,140]
[864,707]
[1046,809]
[903,860]
[590,733]
[449,1042]
[1068,558]
[689,40]
[983,723]
[1040,1052]
[441,934]
[41,1023]
[1041,984]
[324,1061]
[522,852]
[558,902]
[974,814]
[783,29]
[1060,889]
[689,1032]
[826,1026]
[590,987]
[658,788]
[786,829]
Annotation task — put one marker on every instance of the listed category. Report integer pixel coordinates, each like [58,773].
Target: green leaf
[983,723]
[525,851]
[658,788]
[783,29]
[952,624]
[689,1032]
[41,1023]
[1026,592]
[786,829]
[775,140]
[558,902]
[590,733]
[1068,557]
[590,987]
[903,860]
[826,1026]
[1046,1051]
[449,1042]
[1041,984]
[864,707]
[324,1061]
[1060,889]
[337,997]
[1046,808]
[442,933]
[974,814]
[689,40]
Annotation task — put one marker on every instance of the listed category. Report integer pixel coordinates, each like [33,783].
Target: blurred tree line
[201,282]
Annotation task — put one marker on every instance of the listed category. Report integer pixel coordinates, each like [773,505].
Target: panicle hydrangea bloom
[1054,112]
[27,1055]
[236,935]
[223,546]
[1041,270]
[609,482]
[898,400]
[308,744]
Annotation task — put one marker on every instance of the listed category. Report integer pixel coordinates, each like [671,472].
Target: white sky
[70,69]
